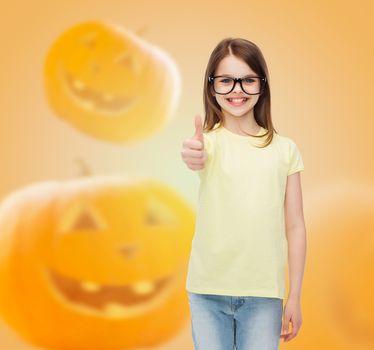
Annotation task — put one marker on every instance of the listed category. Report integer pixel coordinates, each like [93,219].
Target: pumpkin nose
[128,250]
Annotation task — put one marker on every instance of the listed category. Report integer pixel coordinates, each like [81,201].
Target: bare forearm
[296,260]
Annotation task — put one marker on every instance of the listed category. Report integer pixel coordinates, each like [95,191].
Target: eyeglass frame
[211,80]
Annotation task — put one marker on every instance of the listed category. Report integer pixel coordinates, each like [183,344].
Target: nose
[237,87]
[129,250]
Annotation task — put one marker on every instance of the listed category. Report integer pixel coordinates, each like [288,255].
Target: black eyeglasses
[251,85]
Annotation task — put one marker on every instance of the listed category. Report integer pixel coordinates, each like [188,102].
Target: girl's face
[234,67]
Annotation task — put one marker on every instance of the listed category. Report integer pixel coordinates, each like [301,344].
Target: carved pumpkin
[337,293]
[110,83]
[96,263]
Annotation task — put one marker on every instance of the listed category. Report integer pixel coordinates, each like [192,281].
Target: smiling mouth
[93,99]
[237,101]
[111,300]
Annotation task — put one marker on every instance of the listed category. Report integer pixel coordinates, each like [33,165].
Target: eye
[158,213]
[226,80]
[85,221]
[81,217]
[249,80]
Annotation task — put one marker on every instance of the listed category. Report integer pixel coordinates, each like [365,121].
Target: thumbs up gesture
[193,153]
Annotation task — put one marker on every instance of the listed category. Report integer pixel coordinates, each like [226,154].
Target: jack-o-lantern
[338,288]
[95,263]
[110,83]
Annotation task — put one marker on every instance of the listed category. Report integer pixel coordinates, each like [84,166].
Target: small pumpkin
[109,83]
[95,263]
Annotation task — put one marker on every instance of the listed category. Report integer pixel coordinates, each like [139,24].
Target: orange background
[320,59]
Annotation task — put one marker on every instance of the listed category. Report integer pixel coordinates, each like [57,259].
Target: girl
[250,213]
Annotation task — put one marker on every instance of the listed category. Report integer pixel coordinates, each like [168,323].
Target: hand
[193,153]
[292,313]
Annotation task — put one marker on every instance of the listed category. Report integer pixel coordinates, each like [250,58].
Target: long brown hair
[251,54]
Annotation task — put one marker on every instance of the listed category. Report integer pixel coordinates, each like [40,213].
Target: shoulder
[288,149]
[291,153]
[210,135]
[216,128]
[286,143]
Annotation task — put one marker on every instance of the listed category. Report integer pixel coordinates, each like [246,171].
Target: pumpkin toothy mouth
[112,300]
[92,99]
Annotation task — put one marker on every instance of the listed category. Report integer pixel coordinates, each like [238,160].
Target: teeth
[237,99]
[88,104]
[78,84]
[143,287]
[114,309]
[89,286]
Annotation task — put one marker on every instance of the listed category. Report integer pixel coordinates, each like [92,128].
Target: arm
[296,238]
[296,234]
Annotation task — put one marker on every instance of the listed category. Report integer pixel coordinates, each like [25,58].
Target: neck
[246,123]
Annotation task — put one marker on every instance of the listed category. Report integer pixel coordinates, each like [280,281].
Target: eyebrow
[246,76]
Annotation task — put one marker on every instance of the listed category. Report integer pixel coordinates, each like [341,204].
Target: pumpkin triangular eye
[81,216]
[158,213]
[85,222]
[152,218]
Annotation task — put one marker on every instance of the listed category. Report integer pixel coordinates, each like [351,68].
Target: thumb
[198,129]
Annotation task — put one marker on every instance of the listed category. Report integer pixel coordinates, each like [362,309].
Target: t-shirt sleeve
[208,147]
[295,159]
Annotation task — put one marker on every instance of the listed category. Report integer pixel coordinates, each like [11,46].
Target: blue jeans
[223,322]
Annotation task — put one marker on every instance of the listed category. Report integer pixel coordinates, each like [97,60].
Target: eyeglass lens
[223,85]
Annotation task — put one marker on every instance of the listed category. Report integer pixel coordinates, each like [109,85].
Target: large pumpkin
[95,263]
[337,293]
[110,83]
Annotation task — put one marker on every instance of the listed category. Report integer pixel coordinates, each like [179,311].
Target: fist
[193,153]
